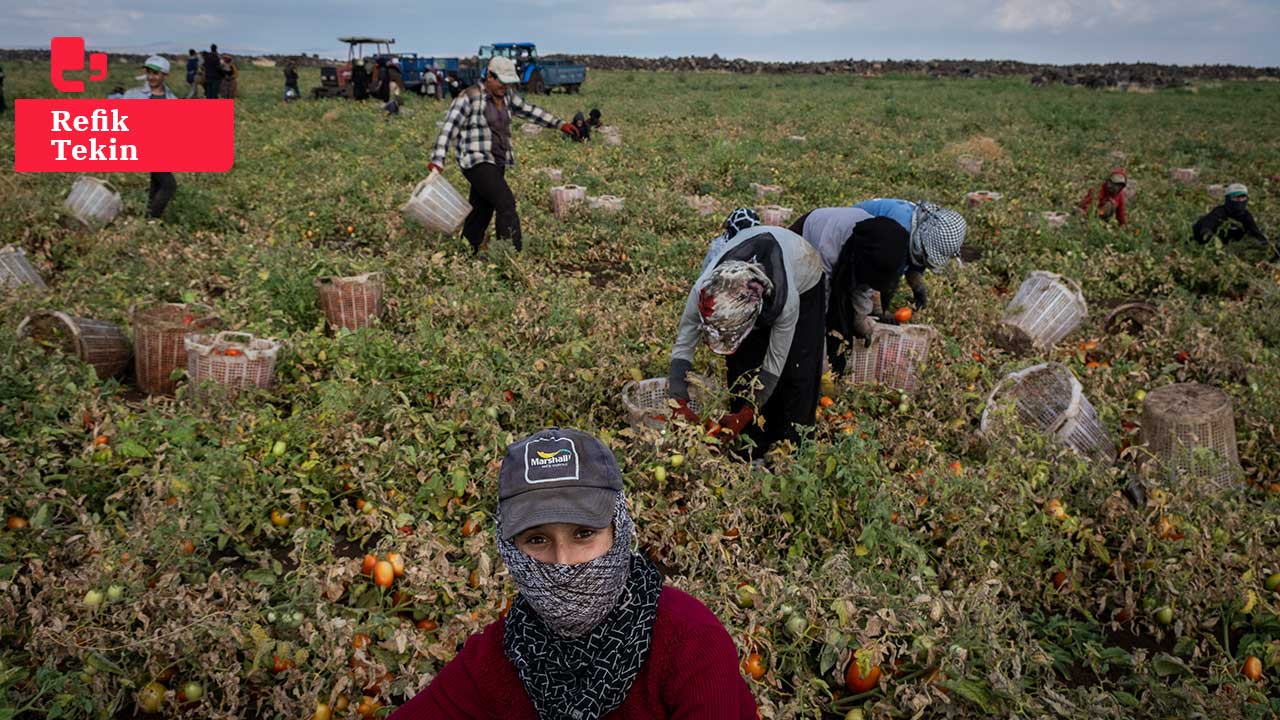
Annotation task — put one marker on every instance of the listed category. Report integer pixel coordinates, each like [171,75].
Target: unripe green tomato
[279,448]
[115,593]
[796,626]
[1164,615]
[193,691]
[1273,581]
[660,473]
[676,460]
[93,598]
[271,616]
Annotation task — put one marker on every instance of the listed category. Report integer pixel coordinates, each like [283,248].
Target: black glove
[886,319]
[919,297]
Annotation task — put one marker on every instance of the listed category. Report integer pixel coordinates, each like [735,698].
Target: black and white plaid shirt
[467,129]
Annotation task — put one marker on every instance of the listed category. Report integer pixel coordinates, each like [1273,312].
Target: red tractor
[352,79]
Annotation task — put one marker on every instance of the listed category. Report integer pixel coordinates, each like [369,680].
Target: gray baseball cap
[557,475]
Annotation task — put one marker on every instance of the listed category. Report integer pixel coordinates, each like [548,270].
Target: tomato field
[192,558]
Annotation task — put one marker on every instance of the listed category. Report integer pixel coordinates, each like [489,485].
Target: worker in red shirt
[593,633]
[1108,198]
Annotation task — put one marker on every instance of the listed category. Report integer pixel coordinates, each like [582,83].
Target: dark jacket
[1222,223]
[212,66]
[869,259]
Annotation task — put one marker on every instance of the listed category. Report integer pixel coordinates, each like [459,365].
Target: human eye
[584,533]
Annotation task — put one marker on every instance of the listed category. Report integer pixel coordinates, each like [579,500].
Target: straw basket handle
[226,335]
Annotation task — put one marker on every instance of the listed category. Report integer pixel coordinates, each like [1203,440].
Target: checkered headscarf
[740,220]
[936,235]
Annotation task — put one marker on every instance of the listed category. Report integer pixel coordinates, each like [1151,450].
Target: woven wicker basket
[158,333]
[894,358]
[1046,308]
[98,343]
[564,197]
[1191,432]
[232,360]
[16,270]
[1049,399]
[351,302]
[646,401]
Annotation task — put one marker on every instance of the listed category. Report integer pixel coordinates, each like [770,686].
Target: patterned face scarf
[936,235]
[578,635]
[729,303]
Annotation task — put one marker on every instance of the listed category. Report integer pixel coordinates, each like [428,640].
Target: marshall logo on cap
[550,459]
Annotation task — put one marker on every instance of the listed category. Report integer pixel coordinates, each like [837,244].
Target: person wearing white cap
[593,632]
[936,237]
[478,125]
[163,185]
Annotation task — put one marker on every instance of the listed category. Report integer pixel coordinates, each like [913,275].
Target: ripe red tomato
[427,624]
[367,565]
[359,640]
[754,666]
[397,563]
[470,527]
[856,681]
[1253,668]
[383,574]
[16,522]
[903,315]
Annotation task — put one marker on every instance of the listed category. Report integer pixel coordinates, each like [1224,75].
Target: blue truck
[536,74]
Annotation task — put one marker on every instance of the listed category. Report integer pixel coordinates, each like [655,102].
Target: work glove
[919,297]
[684,411]
[886,319]
[732,424]
[570,130]
[432,167]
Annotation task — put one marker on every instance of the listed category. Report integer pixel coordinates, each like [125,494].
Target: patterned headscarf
[729,302]
[578,635]
[936,235]
[739,220]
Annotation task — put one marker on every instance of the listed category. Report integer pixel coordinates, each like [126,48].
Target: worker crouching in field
[861,255]
[1232,222]
[936,236]
[478,125]
[593,632]
[1108,200]
[163,185]
[760,301]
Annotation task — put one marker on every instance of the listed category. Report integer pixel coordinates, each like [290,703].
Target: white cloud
[1064,15]
[746,17]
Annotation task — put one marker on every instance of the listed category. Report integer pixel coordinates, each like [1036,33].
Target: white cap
[157,63]
[504,69]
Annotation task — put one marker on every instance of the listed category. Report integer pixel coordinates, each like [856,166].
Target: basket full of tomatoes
[232,360]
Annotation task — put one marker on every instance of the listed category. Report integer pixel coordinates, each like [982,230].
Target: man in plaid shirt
[479,127]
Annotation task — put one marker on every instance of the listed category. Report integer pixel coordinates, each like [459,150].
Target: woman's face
[564,543]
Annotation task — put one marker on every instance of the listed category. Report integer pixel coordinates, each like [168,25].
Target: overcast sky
[1051,31]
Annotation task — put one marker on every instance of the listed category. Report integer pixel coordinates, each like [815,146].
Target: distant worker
[193,69]
[478,125]
[861,255]
[1108,199]
[212,73]
[937,235]
[594,118]
[230,78]
[583,128]
[163,186]
[3,106]
[291,91]
[1232,222]
[760,302]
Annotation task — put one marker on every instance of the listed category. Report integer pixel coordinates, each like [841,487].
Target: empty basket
[564,197]
[704,204]
[1054,219]
[612,203]
[158,333]
[16,270]
[894,357]
[646,401]
[351,302]
[233,360]
[98,343]
[978,198]
[774,215]
[969,164]
[436,205]
[1190,431]
[1046,308]
[93,203]
[611,135]
[1049,399]
[1185,175]
[764,191]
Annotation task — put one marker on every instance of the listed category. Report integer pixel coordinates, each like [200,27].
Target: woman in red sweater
[593,633]
[1109,197]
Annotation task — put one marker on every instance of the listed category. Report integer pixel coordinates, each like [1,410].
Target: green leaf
[1125,698]
[262,577]
[130,448]
[1166,665]
[973,691]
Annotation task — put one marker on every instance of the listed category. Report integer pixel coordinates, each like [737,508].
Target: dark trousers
[795,399]
[211,88]
[163,186]
[490,194]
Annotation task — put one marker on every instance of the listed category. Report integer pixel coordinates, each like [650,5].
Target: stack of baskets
[93,203]
[1191,433]
[646,401]
[894,357]
[158,333]
[233,360]
[1046,308]
[564,197]
[16,270]
[351,302]
[1049,399]
[98,343]
[437,205]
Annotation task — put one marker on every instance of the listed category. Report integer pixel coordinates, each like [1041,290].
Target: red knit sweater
[691,673]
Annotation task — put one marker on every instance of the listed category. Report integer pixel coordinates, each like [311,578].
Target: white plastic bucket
[93,202]
[564,197]
[16,270]
[1046,308]
[1048,398]
[436,205]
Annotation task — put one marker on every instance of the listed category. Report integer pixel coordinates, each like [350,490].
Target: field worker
[230,78]
[291,91]
[212,73]
[582,127]
[478,125]
[593,118]
[760,302]
[593,632]
[1108,198]
[163,186]
[861,255]
[3,107]
[1229,222]
[736,221]
[193,68]
[936,237]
